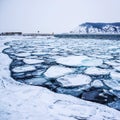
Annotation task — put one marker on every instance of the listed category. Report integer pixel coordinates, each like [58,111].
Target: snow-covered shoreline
[24,102]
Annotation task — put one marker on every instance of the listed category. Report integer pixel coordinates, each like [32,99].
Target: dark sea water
[52,63]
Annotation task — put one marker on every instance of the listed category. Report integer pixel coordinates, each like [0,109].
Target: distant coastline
[86,30]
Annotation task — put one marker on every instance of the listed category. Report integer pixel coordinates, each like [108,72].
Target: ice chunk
[74,80]
[101,56]
[79,61]
[57,71]
[105,66]
[117,68]
[96,71]
[38,53]
[22,54]
[70,91]
[112,63]
[38,72]
[32,61]
[35,81]
[118,61]
[115,75]
[113,84]
[97,83]
[24,68]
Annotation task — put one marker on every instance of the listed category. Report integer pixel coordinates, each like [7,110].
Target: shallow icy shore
[24,102]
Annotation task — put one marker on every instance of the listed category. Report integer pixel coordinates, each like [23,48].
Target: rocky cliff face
[96,28]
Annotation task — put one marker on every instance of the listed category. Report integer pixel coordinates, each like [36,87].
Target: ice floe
[57,71]
[79,61]
[96,71]
[101,56]
[115,76]
[104,56]
[117,68]
[35,81]
[71,91]
[74,80]
[22,54]
[38,72]
[32,61]
[112,63]
[39,53]
[118,61]
[97,83]
[113,84]
[24,68]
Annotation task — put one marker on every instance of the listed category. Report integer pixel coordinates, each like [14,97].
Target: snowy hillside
[96,28]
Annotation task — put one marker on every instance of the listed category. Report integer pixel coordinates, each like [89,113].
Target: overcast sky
[57,16]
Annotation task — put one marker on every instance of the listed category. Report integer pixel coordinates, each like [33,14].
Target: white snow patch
[96,71]
[57,71]
[74,80]
[79,61]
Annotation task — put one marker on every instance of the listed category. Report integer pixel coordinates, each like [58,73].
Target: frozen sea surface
[68,66]
[48,69]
